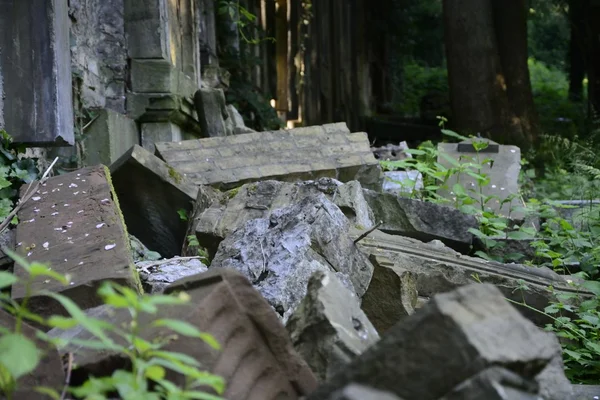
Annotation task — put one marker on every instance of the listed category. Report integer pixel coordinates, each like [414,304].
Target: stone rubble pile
[318,283]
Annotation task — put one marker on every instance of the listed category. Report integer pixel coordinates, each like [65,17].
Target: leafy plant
[14,172]
[148,359]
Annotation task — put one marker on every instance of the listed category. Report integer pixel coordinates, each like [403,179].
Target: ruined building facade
[113,73]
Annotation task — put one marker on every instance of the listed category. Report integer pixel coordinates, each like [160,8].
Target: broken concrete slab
[422,220]
[49,371]
[73,224]
[279,254]
[156,276]
[440,269]
[257,359]
[259,200]
[152,195]
[108,137]
[328,329]
[360,392]
[288,155]
[461,333]
[495,383]
[391,296]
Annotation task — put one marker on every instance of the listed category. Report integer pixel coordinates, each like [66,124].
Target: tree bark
[478,91]
[510,23]
[578,10]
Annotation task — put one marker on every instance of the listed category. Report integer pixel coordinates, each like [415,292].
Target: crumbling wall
[99,53]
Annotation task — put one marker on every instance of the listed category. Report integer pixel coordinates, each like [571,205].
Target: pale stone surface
[109,137]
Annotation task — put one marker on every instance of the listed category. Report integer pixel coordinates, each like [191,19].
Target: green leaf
[48,392]
[18,354]
[155,372]
[518,235]
[60,322]
[592,286]
[7,279]
[182,214]
[453,134]
[4,183]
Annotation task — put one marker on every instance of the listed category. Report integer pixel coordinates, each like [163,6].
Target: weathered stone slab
[495,383]
[151,194]
[422,220]
[461,334]
[35,72]
[49,372]
[235,124]
[503,173]
[257,359]
[289,155]
[147,30]
[261,199]
[160,76]
[279,254]
[109,137]
[328,328]
[74,225]
[439,269]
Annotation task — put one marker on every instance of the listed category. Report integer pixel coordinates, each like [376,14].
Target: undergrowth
[559,236]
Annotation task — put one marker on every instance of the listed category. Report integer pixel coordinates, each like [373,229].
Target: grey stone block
[146,29]
[422,220]
[154,132]
[160,76]
[36,73]
[328,328]
[109,137]
[212,112]
[151,194]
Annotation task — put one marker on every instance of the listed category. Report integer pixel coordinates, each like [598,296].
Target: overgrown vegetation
[148,359]
[570,248]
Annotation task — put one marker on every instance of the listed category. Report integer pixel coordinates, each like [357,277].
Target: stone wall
[99,52]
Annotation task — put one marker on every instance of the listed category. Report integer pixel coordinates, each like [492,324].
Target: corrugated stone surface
[297,154]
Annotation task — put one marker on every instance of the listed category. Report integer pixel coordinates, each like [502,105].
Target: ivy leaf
[6,279]
[592,286]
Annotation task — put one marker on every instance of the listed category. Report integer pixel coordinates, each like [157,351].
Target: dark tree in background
[490,89]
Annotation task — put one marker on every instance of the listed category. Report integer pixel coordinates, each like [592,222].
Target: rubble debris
[157,275]
[257,359]
[288,155]
[74,225]
[422,220]
[279,254]
[328,329]
[259,200]
[153,197]
[461,333]
[440,269]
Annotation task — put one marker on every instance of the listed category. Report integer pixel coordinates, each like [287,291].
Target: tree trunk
[594,65]
[510,23]
[478,92]
[577,47]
